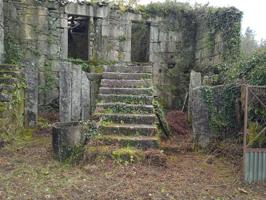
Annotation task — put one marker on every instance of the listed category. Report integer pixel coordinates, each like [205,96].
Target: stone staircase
[125,111]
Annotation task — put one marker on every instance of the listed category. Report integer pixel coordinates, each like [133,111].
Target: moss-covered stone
[128,155]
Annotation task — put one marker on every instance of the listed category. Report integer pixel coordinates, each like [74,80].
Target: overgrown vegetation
[250,70]
[222,105]
[227,22]
[11,110]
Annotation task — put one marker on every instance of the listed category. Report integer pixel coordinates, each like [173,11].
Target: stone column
[64,37]
[65,78]
[200,118]
[70,88]
[85,97]
[31,103]
[195,81]
[1,32]
[76,93]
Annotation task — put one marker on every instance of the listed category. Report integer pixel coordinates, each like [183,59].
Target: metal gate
[255,133]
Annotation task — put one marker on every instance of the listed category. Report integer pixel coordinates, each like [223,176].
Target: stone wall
[11,102]
[172,54]
[216,112]
[37,38]
[218,36]
[33,41]
[204,55]
[1,32]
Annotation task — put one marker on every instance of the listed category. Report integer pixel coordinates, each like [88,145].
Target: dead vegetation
[27,171]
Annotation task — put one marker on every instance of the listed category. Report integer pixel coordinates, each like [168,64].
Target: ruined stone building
[46,38]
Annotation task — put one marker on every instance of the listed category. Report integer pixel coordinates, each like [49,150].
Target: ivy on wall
[222,108]
[251,70]
[227,22]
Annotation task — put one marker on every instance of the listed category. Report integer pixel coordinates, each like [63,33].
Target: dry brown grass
[27,171]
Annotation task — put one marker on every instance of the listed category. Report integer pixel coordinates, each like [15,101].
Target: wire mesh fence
[255,133]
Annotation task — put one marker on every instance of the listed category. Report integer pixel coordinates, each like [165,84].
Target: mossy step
[123,108]
[128,129]
[127,76]
[130,91]
[114,83]
[129,99]
[5,97]
[9,74]
[8,81]
[141,142]
[8,88]
[124,155]
[3,121]
[128,118]
[129,155]
[8,67]
[129,69]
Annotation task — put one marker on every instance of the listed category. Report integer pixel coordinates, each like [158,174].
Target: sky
[254,12]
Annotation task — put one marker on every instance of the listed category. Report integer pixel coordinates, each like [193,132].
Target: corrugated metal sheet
[255,166]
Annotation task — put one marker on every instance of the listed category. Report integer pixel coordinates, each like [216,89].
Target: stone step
[129,99]
[141,142]
[129,69]
[130,91]
[9,73]
[127,76]
[128,118]
[94,152]
[8,88]
[7,67]
[128,129]
[113,83]
[5,97]
[123,108]
[8,81]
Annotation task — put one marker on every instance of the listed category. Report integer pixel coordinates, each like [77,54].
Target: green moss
[222,113]
[163,125]
[225,21]
[128,155]
[28,133]
[2,107]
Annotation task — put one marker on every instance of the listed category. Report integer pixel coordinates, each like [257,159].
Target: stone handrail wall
[78,92]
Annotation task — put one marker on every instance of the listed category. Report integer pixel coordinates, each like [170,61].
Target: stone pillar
[95,82]
[1,32]
[85,96]
[200,118]
[65,78]
[76,93]
[31,103]
[64,37]
[127,47]
[195,81]
[91,40]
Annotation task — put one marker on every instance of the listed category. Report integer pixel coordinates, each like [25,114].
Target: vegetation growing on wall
[251,70]
[222,108]
[227,22]
[11,112]
[13,52]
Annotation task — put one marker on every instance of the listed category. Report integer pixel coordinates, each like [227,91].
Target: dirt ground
[27,171]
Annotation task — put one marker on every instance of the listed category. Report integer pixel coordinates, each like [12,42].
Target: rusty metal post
[246,117]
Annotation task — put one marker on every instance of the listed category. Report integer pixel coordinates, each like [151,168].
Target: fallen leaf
[242,190]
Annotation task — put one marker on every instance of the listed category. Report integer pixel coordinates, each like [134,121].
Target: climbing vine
[222,104]
[227,22]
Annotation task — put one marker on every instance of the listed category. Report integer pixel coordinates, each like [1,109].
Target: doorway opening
[78,45]
[140,42]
